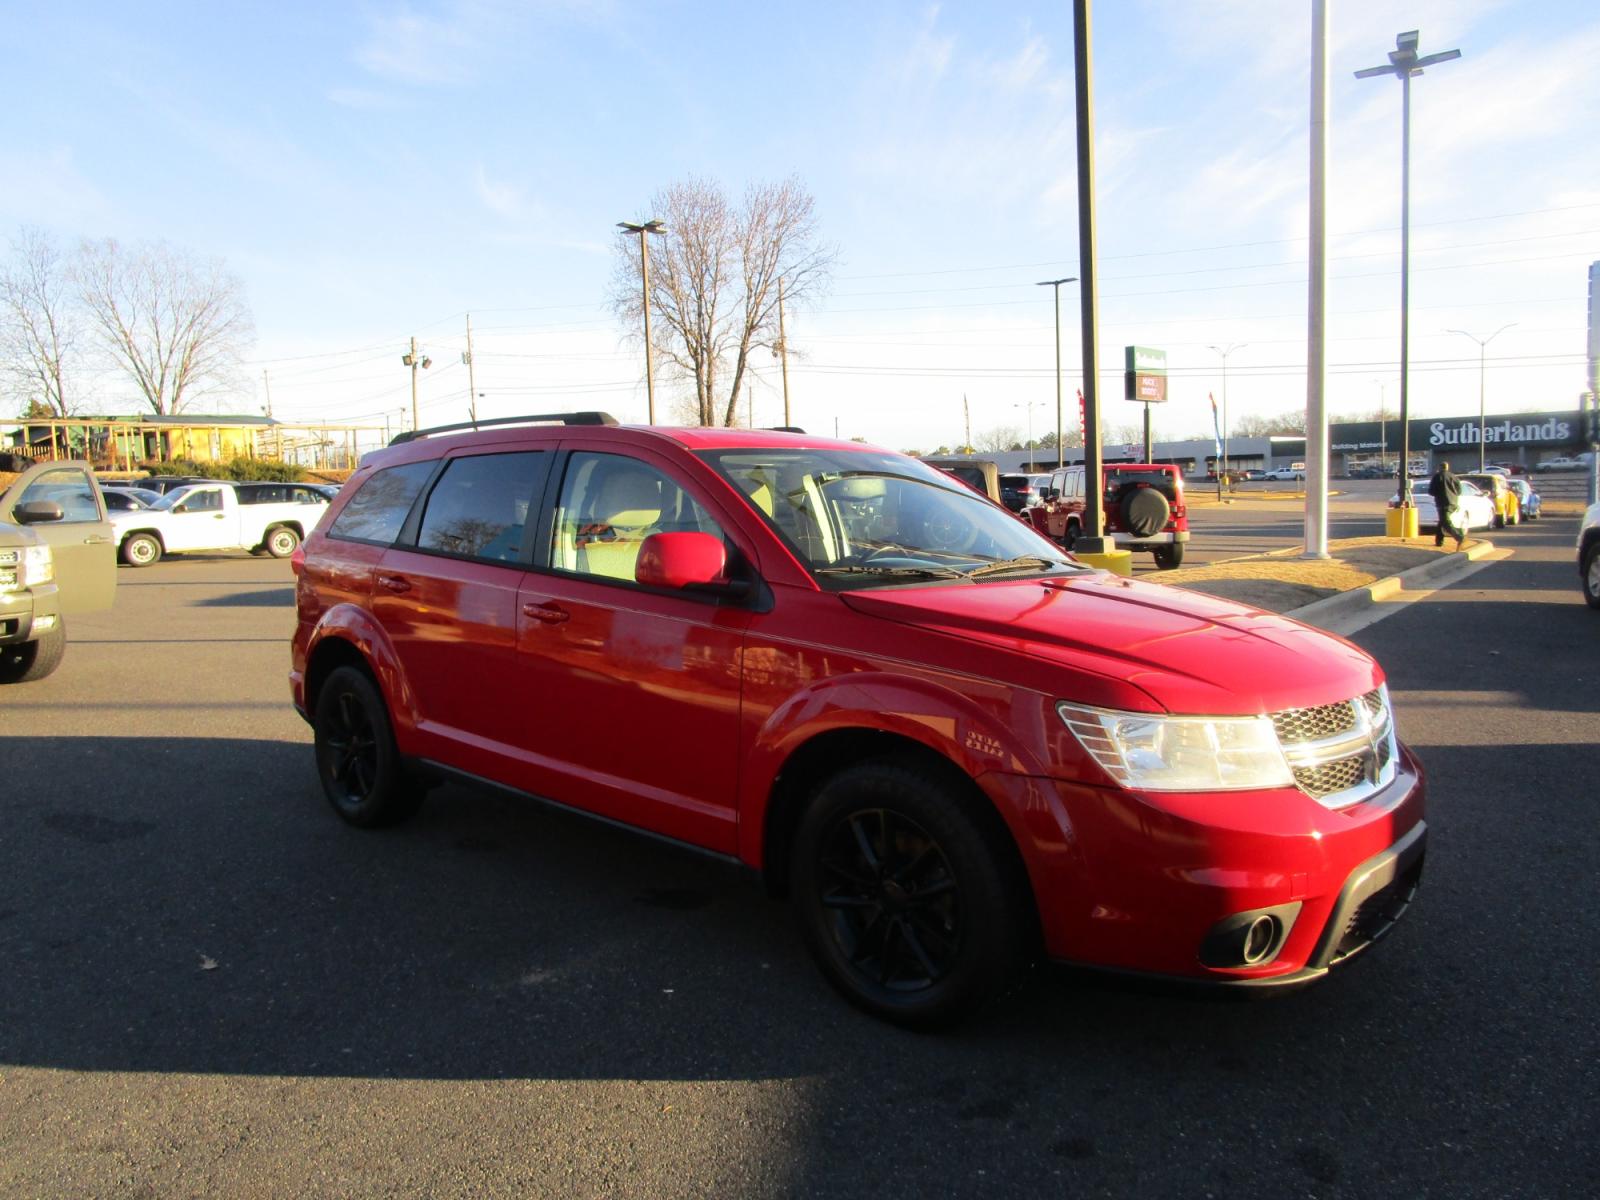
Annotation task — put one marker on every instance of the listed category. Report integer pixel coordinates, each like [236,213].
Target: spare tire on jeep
[1144,509]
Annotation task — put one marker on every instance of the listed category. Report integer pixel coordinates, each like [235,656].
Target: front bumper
[21,610]
[1143,884]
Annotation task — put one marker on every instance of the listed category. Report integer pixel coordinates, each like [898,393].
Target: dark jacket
[1445,489]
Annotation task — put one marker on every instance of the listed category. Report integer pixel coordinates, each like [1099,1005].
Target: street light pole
[1483,344]
[415,360]
[1061,460]
[1222,467]
[643,228]
[1403,64]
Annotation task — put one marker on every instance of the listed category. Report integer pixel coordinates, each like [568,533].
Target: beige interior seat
[626,510]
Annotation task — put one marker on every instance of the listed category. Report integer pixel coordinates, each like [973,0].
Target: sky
[377,171]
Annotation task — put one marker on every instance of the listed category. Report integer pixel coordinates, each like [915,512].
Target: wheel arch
[124,536]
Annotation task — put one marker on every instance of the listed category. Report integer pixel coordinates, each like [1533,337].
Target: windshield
[865,518]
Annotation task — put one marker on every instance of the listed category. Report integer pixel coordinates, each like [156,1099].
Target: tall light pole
[415,360]
[1483,344]
[1403,64]
[1061,460]
[1222,467]
[642,228]
[1383,423]
[1029,406]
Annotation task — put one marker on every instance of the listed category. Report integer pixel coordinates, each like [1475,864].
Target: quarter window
[378,510]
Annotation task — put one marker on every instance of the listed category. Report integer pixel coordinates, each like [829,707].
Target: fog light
[45,623]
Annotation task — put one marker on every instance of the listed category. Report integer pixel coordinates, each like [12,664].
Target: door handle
[549,612]
[96,540]
[395,583]
[218,516]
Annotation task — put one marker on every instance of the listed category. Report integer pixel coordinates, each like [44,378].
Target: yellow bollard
[1118,562]
[1401,522]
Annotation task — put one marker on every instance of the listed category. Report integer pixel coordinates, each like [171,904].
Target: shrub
[238,470]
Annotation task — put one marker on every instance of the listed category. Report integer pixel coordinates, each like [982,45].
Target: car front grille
[1340,753]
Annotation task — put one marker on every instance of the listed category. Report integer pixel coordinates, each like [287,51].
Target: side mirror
[1049,495]
[36,512]
[682,560]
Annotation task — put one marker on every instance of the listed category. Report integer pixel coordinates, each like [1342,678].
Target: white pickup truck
[219,516]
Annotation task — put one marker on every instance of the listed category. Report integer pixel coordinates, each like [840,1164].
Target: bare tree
[1000,439]
[1267,424]
[176,323]
[39,325]
[714,282]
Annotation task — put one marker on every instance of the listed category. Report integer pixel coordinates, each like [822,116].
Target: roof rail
[571,418]
[784,429]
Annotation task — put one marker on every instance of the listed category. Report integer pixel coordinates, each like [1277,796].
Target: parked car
[124,499]
[1143,504]
[171,483]
[280,493]
[1017,492]
[327,490]
[1474,509]
[1528,500]
[951,747]
[1589,555]
[56,560]
[1560,463]
[981,475]
[1253,474]
[1296,471]
[1507,508]
[211,516]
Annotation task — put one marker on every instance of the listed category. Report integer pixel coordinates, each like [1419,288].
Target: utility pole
[277,446]
[1222,467]
[1093,541]
[472,379]
[783,354]
[1316,512]
[415,360]
[966,420]
[642,228]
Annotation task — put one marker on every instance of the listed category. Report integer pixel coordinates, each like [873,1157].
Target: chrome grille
[1314,724]
[1340,753]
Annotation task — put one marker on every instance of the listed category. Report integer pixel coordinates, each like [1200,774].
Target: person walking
[1445,489]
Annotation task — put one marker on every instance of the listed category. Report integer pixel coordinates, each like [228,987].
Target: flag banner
[1216,425]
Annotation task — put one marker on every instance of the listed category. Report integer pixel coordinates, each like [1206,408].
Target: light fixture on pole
[642,228]
[1403,64]
[415,360]
[1222,467]
[1483,344]
[1029,406]
[1060,439]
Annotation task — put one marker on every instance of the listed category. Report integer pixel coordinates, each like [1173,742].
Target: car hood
[1190,653]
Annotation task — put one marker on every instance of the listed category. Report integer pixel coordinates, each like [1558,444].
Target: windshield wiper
[1024,563]
[893,572]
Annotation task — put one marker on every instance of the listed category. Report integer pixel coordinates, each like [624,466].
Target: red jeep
[953,748]
[1143,504]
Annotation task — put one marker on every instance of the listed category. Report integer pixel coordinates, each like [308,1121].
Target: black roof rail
[571,418]
[784,429]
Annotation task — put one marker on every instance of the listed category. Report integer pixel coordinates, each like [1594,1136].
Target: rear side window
[378,510]
[480,505]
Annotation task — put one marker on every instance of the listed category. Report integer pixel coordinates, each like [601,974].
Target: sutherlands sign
[1544,429]
[1144,374]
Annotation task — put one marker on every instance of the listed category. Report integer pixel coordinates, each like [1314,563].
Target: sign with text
[1144,374]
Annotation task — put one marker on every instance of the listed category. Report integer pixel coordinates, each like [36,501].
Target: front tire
[141,550]
[25,662]
[910,901]
[1591,573]
[282,541]
[362,773]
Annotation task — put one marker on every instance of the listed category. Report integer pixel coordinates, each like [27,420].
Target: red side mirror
[679,560]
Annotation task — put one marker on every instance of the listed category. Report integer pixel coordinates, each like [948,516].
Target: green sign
[1144,374]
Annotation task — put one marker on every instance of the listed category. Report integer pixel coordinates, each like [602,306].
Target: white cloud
[502,198]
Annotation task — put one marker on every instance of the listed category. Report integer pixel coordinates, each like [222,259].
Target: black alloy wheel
[360,767]
[909,899]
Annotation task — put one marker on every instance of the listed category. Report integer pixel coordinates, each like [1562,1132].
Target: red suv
[1143,505]
[952,747]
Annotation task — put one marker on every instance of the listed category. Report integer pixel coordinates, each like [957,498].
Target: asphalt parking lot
[212,987]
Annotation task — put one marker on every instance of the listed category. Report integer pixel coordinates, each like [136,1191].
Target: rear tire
[28,661]
[911,903]
[141,550]
[1591,573]
[282,541]
[1169,558]
[362,773]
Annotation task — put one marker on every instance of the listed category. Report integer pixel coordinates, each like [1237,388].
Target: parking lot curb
[1332,609]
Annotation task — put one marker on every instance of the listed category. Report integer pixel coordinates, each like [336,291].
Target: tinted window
[480,505]
[376,512]
[68,487]
[204,500]
[262,493]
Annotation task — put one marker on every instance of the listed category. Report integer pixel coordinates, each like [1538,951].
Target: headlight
[1149,752]
[37,565]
